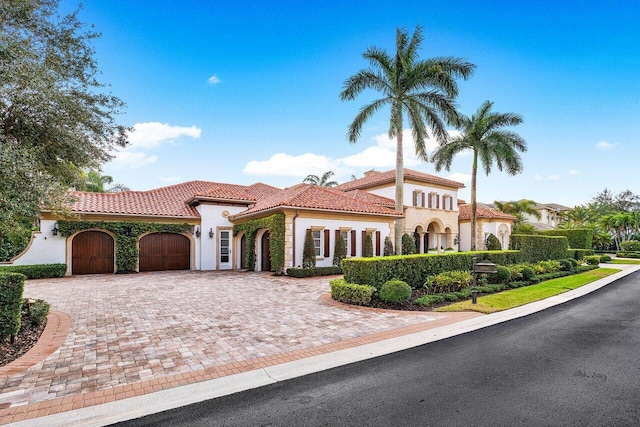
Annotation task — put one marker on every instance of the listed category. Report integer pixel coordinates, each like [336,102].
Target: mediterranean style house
[201,225]
[488,221]
[550,216]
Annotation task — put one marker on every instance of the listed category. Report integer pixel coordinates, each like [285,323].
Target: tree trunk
[474,172]
[399,225]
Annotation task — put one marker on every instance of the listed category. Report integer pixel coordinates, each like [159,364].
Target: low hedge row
[580,253]
[313,271]
[414,268]
[11,289]
[37,271]
[351,293]
[628,254]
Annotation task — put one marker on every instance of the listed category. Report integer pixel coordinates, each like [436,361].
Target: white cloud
[460,177]
[574,172]
[152,134]
[132,160]
[553,177]
[538,178]
[604,145]
[214,80]
[282,164]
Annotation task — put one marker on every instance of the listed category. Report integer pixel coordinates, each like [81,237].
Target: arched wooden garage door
[165,251]
[92,253]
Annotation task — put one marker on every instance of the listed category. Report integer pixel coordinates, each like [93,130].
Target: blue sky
[248,91]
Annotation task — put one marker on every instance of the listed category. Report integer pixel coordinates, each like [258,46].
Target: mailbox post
[485,266]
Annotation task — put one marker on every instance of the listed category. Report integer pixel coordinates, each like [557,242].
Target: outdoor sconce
[197,232]
[55,229]
[456,240]
[211,233]
[127,231]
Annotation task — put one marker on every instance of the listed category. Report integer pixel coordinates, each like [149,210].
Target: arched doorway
[165,251]
[265,251]
[92,252]
[243,251]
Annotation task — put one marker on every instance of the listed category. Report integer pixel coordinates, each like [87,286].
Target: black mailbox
[485,267]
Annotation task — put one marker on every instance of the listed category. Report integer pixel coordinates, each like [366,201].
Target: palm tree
[483,133]
[423,89]
[95,182]
[321,181]
[518,208]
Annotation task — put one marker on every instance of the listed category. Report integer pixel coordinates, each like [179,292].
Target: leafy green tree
[388,247]
[483,134]
[493,243]
[368,246]
[518,208]
[56,118]
[321,181]
[423,90]
[408,244]
[308,251]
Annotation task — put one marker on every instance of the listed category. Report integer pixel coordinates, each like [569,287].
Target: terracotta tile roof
[371,198]
[171,201]
[378,178]
[484,212]
[306,196]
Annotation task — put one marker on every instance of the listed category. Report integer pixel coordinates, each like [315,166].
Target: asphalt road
[576,364]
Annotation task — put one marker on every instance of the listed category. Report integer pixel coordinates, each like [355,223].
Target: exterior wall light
[197,232]
[211,233]
[55,229]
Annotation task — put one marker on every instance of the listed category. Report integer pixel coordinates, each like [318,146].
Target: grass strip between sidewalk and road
[516,297]
[625,261]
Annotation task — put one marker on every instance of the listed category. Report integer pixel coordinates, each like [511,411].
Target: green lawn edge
[516,297]
[625,261]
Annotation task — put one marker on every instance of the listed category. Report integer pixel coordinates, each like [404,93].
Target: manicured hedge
[37,271]
[313,271]
[577,238]
[351,293]
[11,289]
[414,269]
[534,248]
[628,254]
[580,253]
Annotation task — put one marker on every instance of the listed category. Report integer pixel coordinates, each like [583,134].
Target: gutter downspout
[293,232]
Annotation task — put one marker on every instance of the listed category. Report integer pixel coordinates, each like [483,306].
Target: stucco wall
[214,218]
[44,248]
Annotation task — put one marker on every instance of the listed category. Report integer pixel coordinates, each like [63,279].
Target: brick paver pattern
[128,329]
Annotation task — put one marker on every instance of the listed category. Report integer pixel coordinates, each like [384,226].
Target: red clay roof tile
[378,178]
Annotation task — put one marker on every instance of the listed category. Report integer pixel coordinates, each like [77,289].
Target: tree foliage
[308,251]
[321,181]
[483,133]
[339,252]
[56,118]
[423,90]
[518,208]
[408,244]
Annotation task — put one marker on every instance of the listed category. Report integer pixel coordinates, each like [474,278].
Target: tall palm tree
[483,133]
[321,181]
[518,208]
[424,90]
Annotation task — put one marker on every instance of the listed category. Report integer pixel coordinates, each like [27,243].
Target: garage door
[164,251]
[92,253]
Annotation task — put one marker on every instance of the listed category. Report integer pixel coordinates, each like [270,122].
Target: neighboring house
[488,221]
[430,205]
[190,226]
[550,216]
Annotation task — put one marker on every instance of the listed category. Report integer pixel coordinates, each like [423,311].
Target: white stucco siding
[44,248]
[409,188]
[214,218]
[304,223]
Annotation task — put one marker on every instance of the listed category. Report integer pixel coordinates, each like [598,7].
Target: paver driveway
[131,328]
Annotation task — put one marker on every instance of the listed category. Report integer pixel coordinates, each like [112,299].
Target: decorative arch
[91,251]
[503,235]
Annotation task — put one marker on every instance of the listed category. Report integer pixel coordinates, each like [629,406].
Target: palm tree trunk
[474,172]
[399,225]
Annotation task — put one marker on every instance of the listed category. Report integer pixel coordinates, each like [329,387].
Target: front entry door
[224,244]
[266,253]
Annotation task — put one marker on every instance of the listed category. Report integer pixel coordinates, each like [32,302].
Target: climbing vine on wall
[127,235]
[275,225]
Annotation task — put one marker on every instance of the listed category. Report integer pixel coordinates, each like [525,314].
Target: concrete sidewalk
[158,394]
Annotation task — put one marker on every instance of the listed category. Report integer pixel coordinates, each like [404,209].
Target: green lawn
[521,296]
[624,261]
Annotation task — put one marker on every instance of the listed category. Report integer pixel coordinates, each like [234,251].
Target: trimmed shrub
[565,265]
[395,291]
[528,273]
[309,251]
[414,269]
[11,289]
[37,271]
[408,245]
[501,276]
[313,271]
[592,260]
[628,254]
[577,238]
[351,293]
[605,258]
[630,246]
[574,262]
[550,266]
[579,254]
[534,248]
[339,251]
[368,246]
[429,300]
[38,312]
[388,247]
[493,243]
